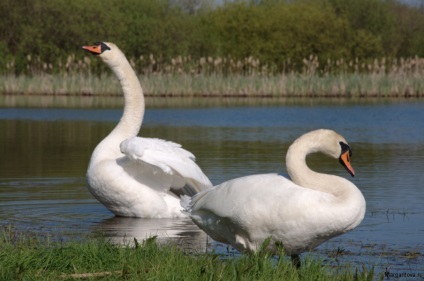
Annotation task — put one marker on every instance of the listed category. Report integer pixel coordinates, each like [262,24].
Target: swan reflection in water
[123,230]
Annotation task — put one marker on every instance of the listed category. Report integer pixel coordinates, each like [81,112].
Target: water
[45,153]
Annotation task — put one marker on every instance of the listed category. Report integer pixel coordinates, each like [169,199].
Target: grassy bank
[185,85]
[31,257]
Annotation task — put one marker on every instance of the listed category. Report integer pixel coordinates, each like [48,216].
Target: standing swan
[133,176]
[299,214]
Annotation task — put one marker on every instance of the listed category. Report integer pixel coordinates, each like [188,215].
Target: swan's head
[336,146]
[344,157]
[330,143]
[107,51]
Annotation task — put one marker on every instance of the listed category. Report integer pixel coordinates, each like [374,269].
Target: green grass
[33,257]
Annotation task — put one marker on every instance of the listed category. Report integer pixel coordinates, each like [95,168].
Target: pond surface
[45,153]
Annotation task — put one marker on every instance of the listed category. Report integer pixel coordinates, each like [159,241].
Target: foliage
[40,35]
[278,33]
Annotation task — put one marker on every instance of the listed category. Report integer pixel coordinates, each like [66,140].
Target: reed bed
[225,77]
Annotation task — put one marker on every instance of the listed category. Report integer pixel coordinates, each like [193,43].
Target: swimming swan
[299,214]
[134,176]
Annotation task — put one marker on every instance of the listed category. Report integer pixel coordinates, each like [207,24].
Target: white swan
[299,214]
[133,176]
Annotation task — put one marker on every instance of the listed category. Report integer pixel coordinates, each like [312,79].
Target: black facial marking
[103,46]
[345,148]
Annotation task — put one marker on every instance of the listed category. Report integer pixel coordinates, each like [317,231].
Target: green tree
[39,35]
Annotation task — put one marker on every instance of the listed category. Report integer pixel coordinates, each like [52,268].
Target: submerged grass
[32,257]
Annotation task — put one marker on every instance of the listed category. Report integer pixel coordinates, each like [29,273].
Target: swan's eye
[345,148]
[104,46]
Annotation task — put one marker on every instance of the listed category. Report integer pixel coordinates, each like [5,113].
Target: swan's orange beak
[95,49]
[345,161]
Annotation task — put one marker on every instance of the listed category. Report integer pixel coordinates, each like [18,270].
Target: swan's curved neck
[348,204]
[132,118]
[302,175]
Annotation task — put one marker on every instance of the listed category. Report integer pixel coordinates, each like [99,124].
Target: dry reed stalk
[249,66]
[223,76]
[89,275]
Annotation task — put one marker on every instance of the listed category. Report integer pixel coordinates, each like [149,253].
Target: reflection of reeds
[61,101]
[184,76]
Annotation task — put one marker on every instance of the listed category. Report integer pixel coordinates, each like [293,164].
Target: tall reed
[184,76]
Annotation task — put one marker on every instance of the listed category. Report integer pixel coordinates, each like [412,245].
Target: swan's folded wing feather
[237,192]
[172,159]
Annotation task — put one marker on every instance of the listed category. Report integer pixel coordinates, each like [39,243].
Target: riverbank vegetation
[34,257]
[401,78]
[239,48]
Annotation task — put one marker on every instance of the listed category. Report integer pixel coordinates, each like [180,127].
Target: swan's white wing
[256,194]
[225,197]
[171,159]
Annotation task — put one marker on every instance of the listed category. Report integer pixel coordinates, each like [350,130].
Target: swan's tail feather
[188,202]
[197,185]
[185,202]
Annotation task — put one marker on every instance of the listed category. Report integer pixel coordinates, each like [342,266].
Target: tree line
[45,34]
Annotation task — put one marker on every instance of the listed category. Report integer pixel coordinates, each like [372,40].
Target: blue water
[380,123]
[42,184]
